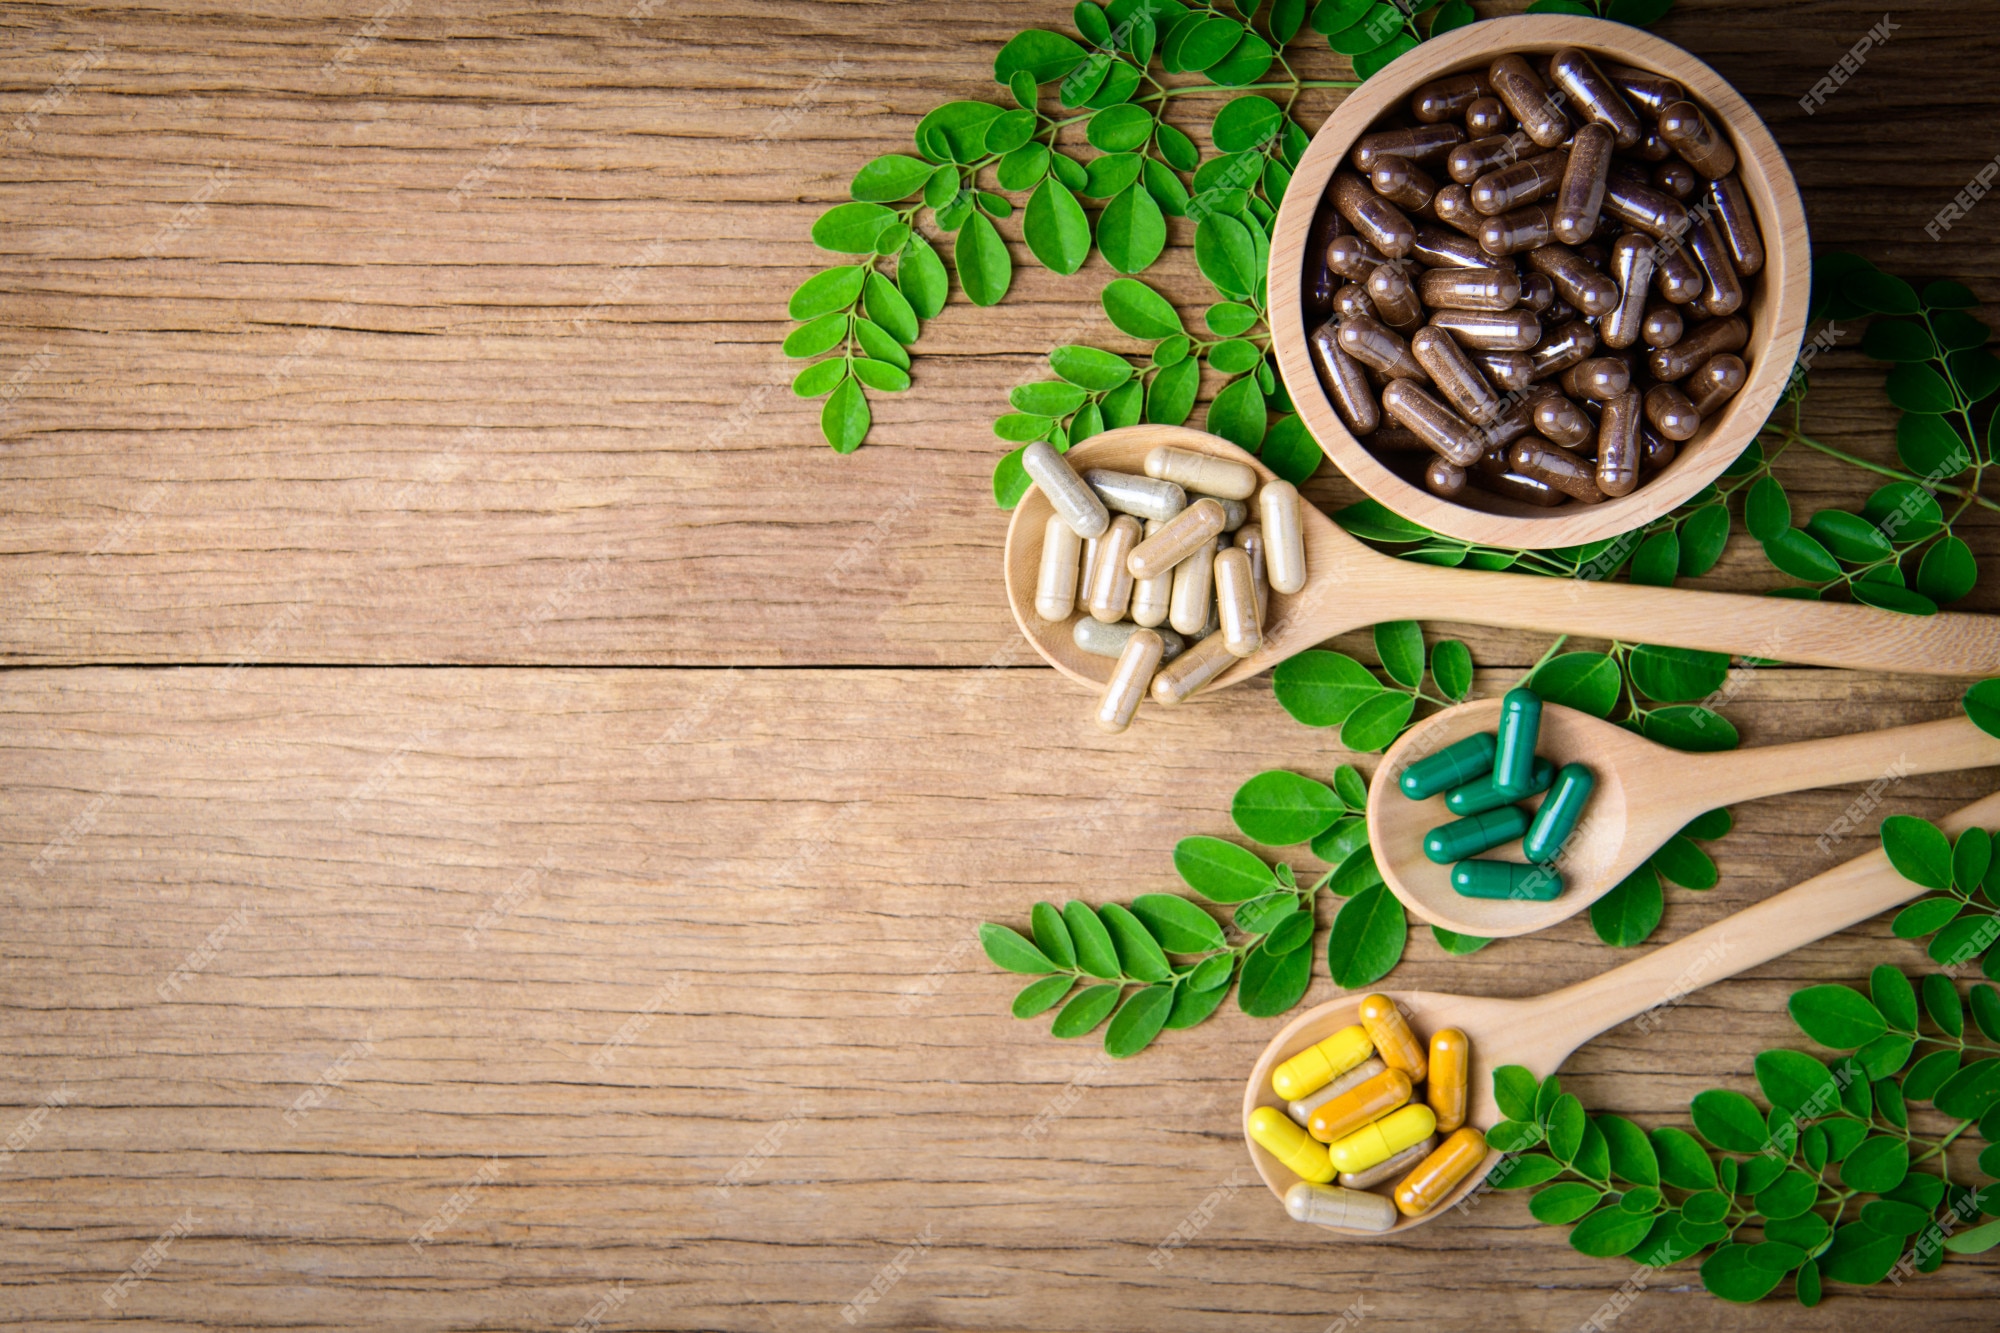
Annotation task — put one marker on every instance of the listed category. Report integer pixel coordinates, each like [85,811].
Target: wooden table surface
[442,605]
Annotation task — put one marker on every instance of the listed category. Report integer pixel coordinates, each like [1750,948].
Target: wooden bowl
[1774,305]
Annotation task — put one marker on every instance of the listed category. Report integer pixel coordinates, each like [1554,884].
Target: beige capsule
[1722,291]
[1648,91]
[1351,257]
[1577,282]
[1396,1166]
[1067,492]
[1598,378]
[1152,598]
[1618,450]
[1678,360]
[1580,197]
[1662,326]
[1452,206]
[1510,372]
[1236,602]
[1518,232]
[1250,541]
[1632,270]
[1737,222]
[1345,382]
[1436,425]
[1717,380]
[1193,592]
[1402,182]
[1178,538]
[1563,347]
[1575,73]
[1129,680]
[1470,288]
[1448,97]
[1455,376]
[1378,347]
[1444,478]
[1420,144]
[1202,474]
[1560,421]
[1374,219]
[1690,134]
[1524,94]
[1541,461]
[1486,115]
[1284,536]
[1676,276]
[1333,1206]
[1141,497]
[1193,669]
[1101,640]
[1395,300]
[1670,412]
[1090,548]
[1443,249]
[1235,513]
[1523,182]
[1469,161]
[1110,593]
[1351,299]
[1643,208]
[1489,330]
[1055,581]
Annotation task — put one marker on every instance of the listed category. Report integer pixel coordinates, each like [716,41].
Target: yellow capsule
[1180,537]
[1301,1110]
[1363,1104]
[1284,538]
[1193,669]
[1398,1165]
[1236,601]
[1451,1073]
[1332,1206]
[1055,583]
[1202,474]
[1194,590]
[1274,1132]
[1372,1144]
[1439,1174]
[1111,583]
[1129,680]
[1391,1036]
[1319,1064]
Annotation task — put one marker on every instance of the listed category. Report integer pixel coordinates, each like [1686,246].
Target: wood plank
[339,417]
[729,945]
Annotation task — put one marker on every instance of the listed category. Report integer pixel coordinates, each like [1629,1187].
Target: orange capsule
[1363,1104]
[1451,1075]
[1392,1038]
[1440,1173]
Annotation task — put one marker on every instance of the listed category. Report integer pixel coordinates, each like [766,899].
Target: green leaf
[1090,368]
[1985,1004]
[1192,1006]
[1377,722]
[1703,536]
[1290,450]
[1272,983]
[1566,1126]
[1322,689]
[1941,1002]
[1848,536]
[1294,932]
[1212,973]
[1897,340]
[1051,935]
[821,335]
[1221,871]
[1976,1241]
[1632,1155]
[984,269]
[1837,1016]
[851,228]
[834,289]
[820,377]
[1524,1172]
[1235,356]
[1674,675]
[1514,1088]
[1982,705]
[1706,1207]
[1120,129]
[1564,1203]
[1170,397]
[1367,938]
[1511,1136]
[1131,232]
[1341,839]
[1929,1074]
[1400,644]
[1350,786]
[1891,992]
[890,178]
[1957,331]
[1880,293]
[1891,597]
[1047,398]
[1010,950]
[1708,826]
[1377,522]
[1878,1165]
[845,418]
[1657,560]
[1860,1255]
[889,308]
[1024,168]
[1138,952]
[1730,1274]
[1010,479]
[1587,682]
[1451,667]
[1801,555]
[1086,1009]
[1767,513]
[1356,873]
[1971,1092]
[1246,122]
[1021,427]
[1226,255]
[1561,7]
[1226,319]
[1370,63]
[1918,849]
[1948,571]
[1689,727]
[1806,1230]
[1279,809]
[1929,446]
[1685,864]
[1841,1137]
[1457,13]
[1040,996]
[1729,1120]
[1976,372]
[1138,1021]
[1904,512]
[1885,1055]
[1122,406]
[1056,229]
[1331,16]
[880,375]
[1261,915]
[1630,912]
[1177,924]
[1044,56]
[921,278]
[1095,953]
[1918,388]
[1790,1195]
[876,343]
[1238,414]
[1610,1232]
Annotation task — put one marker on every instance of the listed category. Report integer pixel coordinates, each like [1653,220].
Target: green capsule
[1504,879]
[1453,766]
[1479,795]
[1557,818]
[1514,753]
[1478,833]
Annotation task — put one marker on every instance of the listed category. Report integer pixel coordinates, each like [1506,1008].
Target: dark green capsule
[1453,766]
[1475,834]
[1556,820]
[1480,795]
[1514,753]
[1504,879]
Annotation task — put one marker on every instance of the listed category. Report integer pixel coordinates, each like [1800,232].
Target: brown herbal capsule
[1537,292]
[1351,258]
[1402,183]
[1444,249]
[1352,299]
[1434,423]
[1656,452]
[1320,280]
[1490,330]
[1577,74]
[1562,348]
[1632,270]
[1676,178]
[1444,477]
[1618,445]
[1452,206]
[1344,381]
[1511,372]
[1527,180]
[1596,254]
[1644,208]
[1448,97]
[1421,144]
[1560,421]
[1670,412]
[1676,276]
[1469,161]
[1662,326]
[1559,312]
[1515,84]
[1581,195]
[1378,347]
[1722,291]
[1716,380]
[1653,148]
[1396,302]
[1689,133]
[1374,219]
[1518,232]
[1598,378]
[1736,221]
[1645,90]
[1486,115]
[1501,480]
[1545,463]
[1584,287]
[1678,360]
[1470,288]
[1395,439]
[1452,371]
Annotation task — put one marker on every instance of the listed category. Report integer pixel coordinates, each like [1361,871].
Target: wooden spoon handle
[1835,634]
[1828,902]
[1893,753]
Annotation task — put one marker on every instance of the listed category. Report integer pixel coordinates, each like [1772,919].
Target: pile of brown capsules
[1173,577]
[1534,285]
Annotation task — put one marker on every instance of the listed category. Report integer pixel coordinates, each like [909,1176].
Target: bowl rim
[1778,301]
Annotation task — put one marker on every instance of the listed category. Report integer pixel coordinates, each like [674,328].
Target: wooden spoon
[1350,585]
[1543,1031]
[1645,793]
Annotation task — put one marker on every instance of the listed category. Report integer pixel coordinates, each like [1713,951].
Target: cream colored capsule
[1152,598]
[1090,545]
[1098,639]
[1111,586]
[1332,1206]
[1250,540]
[1129,680]
[1180,537]
[1284,538]
[1072,498]
[1193,669]
[1302,1109]
[1236,600]
[1141,497]
[1398,1165]
[1193,591]
[1223,478]
[1055,585]
[1235,513]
